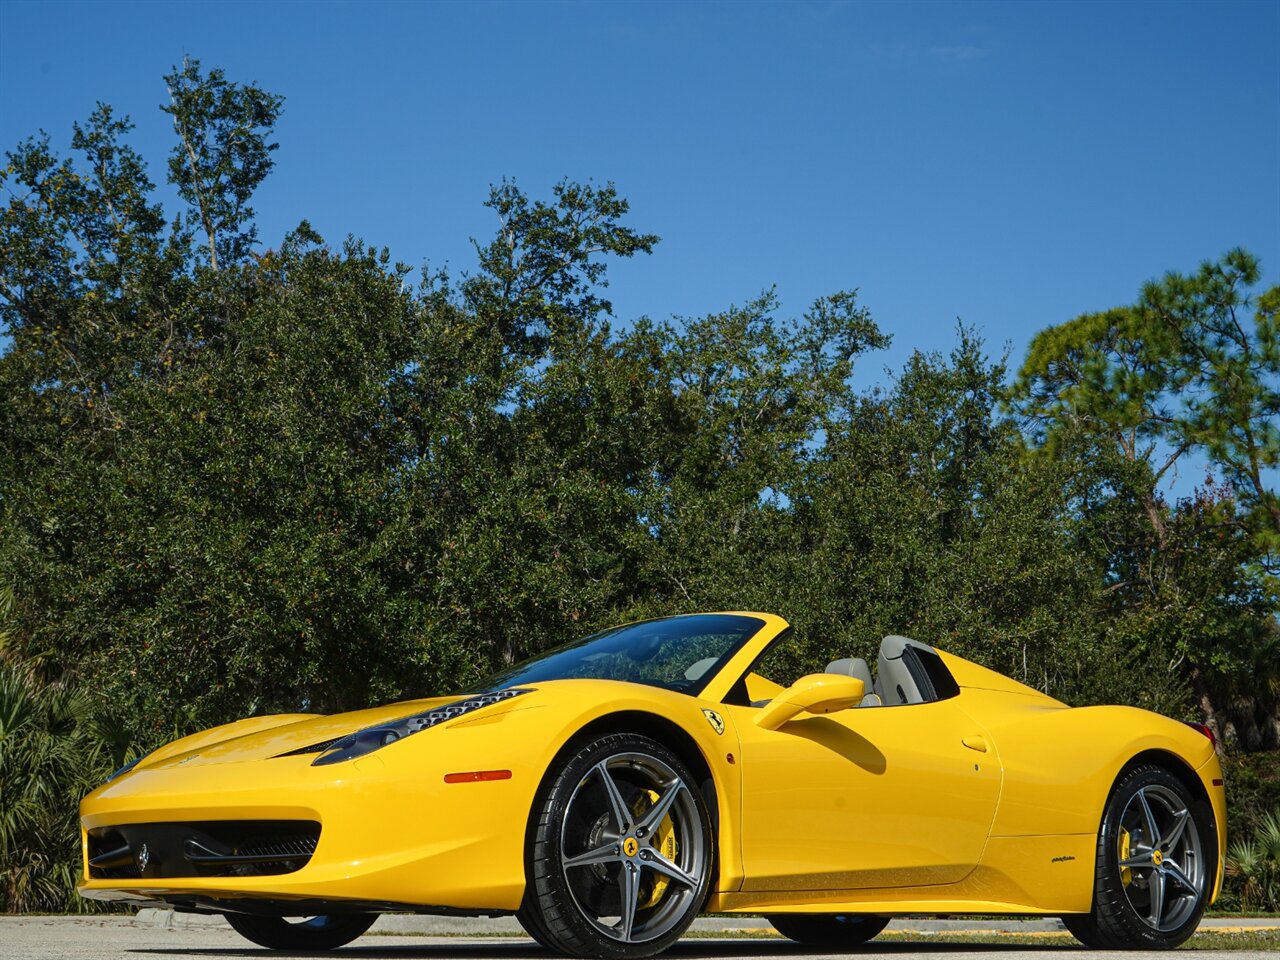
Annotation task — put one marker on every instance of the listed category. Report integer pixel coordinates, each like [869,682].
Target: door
[866,797]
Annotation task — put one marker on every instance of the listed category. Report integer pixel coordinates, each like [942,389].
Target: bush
[52,752]
[1253,789]
[1253,866]
[1252,879]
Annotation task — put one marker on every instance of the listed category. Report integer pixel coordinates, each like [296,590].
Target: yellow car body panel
[375,838]
[988,801]
[854,818]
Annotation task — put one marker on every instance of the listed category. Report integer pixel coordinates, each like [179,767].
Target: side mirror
[815,693]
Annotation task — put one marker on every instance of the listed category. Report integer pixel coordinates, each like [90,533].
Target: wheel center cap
[631,846]
[1157,857]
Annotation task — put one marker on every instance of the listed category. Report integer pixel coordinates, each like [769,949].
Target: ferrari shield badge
[716,721]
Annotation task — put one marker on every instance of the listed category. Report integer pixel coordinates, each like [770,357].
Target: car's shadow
[691,949]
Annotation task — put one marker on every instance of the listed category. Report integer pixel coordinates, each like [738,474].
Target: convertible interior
[907,672]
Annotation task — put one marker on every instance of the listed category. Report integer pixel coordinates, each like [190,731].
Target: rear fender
[1060,763]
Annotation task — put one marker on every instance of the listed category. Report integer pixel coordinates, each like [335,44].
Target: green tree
[543,273]
[1194,364]
[240,478]
[920,515]
[222,155]
[744,394]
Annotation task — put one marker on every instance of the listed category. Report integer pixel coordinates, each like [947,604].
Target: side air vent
[312,748]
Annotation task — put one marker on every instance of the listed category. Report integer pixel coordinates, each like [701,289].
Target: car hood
[258,738]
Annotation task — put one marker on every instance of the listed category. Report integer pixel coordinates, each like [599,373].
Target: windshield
[677,653]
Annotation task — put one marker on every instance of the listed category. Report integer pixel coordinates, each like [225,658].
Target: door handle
[975,743]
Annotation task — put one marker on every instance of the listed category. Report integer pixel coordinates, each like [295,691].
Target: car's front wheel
[1155,864]
[305,933]
[828,929]
[621,851]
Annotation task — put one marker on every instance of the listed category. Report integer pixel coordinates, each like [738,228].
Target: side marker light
[476,776]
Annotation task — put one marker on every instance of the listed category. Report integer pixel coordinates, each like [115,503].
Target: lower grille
[223,848]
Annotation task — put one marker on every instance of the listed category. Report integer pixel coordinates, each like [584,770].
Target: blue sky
[1010,164]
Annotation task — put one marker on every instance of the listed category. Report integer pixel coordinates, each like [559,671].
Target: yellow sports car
[609,791]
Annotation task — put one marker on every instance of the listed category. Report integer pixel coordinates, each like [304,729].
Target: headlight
[129,766]
[373,738]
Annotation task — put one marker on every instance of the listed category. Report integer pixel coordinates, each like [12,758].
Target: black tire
[828,929]
[631,814]
[1082,927]
[531,920]
[305,933]
[1153,900]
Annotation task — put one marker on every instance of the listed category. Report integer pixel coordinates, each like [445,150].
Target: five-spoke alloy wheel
[1156,849]
[621,851]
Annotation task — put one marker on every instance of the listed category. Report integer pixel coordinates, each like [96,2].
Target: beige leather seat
[857,667]
[896,685]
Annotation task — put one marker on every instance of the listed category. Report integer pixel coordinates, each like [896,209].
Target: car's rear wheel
[621,851]
[304,933]
[1156,853]
[828,929]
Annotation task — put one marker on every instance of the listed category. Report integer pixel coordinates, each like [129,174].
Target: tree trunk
[1205,701]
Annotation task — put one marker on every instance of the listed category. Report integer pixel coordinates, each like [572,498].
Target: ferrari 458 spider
[609,791]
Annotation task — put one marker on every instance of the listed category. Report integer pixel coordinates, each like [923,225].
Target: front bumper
[392,832]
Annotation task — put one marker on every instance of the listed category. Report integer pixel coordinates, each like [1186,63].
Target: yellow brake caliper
[664,840]
[1126,874]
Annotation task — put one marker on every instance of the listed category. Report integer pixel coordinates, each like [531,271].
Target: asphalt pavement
[159,935]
